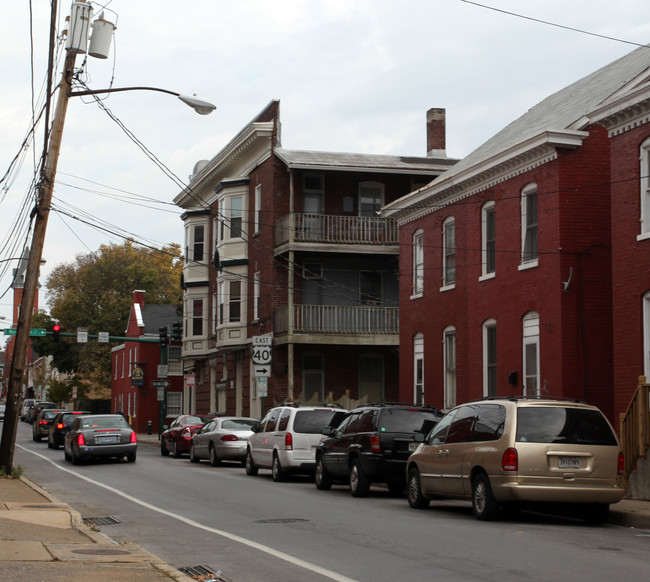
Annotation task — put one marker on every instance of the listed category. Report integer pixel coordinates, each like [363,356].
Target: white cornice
[625,113]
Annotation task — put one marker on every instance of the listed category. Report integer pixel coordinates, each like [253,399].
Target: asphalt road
[256,530]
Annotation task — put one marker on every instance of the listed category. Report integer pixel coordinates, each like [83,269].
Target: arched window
[529,252]
[490,358]
[418,263]
[448,252]
[531,354]
[449,355]
[488,238]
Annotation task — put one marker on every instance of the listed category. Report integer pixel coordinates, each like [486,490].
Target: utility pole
[41,211]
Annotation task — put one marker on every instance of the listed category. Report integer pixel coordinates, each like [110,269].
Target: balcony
[338,324]
[300,231]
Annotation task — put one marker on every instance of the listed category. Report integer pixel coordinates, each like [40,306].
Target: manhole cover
[282,520]
[99,552]
[197,570]
[108,520]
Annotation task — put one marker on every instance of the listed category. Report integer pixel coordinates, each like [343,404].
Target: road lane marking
[233,537]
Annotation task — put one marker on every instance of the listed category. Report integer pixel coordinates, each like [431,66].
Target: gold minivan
[502,452]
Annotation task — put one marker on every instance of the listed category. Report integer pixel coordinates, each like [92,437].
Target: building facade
[291,274]
[524,268]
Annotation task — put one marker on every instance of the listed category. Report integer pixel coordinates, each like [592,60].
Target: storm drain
[282,520]
[108,520]
[198,570]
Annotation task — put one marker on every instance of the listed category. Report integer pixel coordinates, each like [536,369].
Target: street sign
[160,383]
[261,354]
[34,332]
[262,371]
[263,340]
[82,335]
[262,386]
[163,370]
[102,337]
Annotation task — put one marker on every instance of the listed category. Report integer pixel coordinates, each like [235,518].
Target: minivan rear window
[312,421]
[574,426]
[407,420]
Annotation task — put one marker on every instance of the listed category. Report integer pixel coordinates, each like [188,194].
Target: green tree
[96,292]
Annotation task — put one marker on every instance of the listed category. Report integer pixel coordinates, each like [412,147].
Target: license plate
[107,439]
[569,463]
[413,446]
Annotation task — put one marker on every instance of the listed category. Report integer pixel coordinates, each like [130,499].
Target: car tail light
[134,439]
[621,463]
[60,426]
[187,433]
[42,422]
[229,437]
[375,444]
[288,441]
[81,440]
[510,460]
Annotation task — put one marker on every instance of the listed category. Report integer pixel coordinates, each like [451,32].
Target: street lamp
[76,44]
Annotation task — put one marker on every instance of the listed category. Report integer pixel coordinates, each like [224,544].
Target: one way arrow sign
[262,371]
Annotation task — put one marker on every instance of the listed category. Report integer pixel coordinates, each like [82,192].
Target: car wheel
[484,505]
[193,457]
[66,455]
[130,457]
[164,451]
[414,490]
[359,482]
[594,513]
[75,458]
[277,472]
[215,461]
[177,453]
[49,444]
[251,469]
[36,438]
[322,478]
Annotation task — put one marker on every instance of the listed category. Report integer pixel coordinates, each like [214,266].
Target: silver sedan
[222,438]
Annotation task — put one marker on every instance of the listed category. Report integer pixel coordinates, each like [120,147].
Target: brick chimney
[138,297]
[436,133]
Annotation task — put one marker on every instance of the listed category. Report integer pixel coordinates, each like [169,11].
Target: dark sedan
[222,438]
[176,439]
[100,435]
[42,424]
[61,426]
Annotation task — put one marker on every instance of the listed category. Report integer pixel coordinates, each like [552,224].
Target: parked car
[222,438]
[504,452]
[286,438]
[371,445]
[25,406]
[176,439]
[2,411]
[41,426]
[61,426]
[100,435]
[35,410]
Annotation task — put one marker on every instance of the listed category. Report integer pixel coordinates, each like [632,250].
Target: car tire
[164,451]
[215,461]
[49,444]
[484,505]
[414,490]
[594,513]
[177,453]
[75,458]
[359,481]
[193,457]
[66,455]
[277,472]
[322,478]
[130,457]
[35,438]
[251,469]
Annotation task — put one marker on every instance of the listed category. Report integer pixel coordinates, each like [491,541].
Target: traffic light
[162,335]
[56,330]
[177,330]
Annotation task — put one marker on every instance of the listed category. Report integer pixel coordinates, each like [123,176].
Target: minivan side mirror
[327,431]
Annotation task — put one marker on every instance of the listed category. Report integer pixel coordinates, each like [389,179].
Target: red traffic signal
[56,330]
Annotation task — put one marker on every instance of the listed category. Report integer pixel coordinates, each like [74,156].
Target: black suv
[371,445]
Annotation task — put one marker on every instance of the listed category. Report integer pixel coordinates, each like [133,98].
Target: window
[644,173]
[174,361]
[258,207]
[531,354]
[646,335]
[198,243]
[488,248]
[418,263]
[449,343]
[313,376]
[371,196]
[449,253]
[418,369]
[369,288]
[529,251]
[490,358]
[197,317]
[174,403]
[236,216]
[222,219]
[234,303]
[220,292]
[256,296]
[312,194]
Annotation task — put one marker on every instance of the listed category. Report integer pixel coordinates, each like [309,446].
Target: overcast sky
[351,75]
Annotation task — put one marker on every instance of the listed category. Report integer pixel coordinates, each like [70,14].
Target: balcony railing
[635,426]
[325,228]
[332,319]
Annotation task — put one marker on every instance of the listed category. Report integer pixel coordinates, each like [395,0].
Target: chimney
[138,297]
[436,133]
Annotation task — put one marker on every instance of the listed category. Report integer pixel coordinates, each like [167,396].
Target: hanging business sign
[137,377]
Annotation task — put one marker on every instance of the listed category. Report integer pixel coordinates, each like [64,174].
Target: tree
[96,292]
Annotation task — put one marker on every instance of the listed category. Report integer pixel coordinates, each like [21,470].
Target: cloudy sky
[352,75]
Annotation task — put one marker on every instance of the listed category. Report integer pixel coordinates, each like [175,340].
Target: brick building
[287,247]
[524,268]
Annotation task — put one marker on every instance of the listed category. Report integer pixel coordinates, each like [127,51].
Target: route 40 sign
[261,354]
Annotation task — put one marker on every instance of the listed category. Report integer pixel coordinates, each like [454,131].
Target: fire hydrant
[149,427]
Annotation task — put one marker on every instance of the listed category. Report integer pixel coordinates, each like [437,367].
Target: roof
[155,316]
[340,161]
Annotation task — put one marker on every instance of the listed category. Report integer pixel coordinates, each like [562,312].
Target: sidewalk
[43,539]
